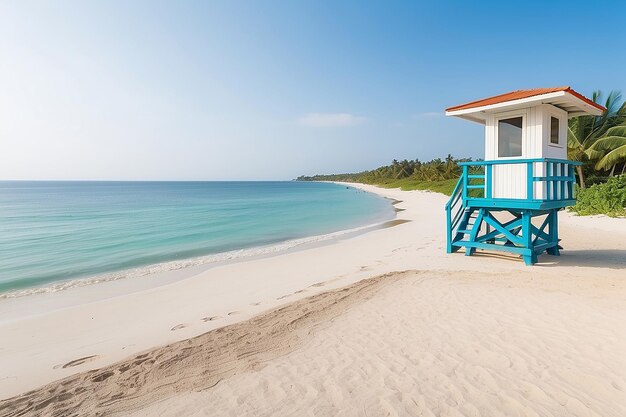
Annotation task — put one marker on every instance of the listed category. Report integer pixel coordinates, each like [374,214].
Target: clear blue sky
[273,89]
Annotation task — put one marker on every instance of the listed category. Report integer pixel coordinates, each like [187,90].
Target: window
[554,130]
[510,137]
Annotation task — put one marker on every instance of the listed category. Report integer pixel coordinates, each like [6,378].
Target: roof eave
[586,108]
[511,103]
[478,117]
[475,113]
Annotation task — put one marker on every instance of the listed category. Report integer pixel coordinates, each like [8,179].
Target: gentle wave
[233,255]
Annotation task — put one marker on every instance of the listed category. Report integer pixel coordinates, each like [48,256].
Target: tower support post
[554,233]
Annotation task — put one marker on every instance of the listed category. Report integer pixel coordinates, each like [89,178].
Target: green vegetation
[610,150]
[408,184]
[599,141]
[607,198]
[415,170]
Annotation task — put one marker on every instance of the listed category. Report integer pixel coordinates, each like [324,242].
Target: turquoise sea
[55,234]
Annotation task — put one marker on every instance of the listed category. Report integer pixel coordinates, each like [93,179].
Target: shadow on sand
[595,258]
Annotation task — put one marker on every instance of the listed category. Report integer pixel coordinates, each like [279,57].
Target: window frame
[558,131]
[561,143]
[510,115]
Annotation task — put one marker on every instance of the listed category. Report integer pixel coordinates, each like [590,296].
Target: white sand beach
[381,323]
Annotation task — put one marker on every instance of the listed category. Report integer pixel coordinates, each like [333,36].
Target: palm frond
[613,101]
[608,143]
[617,131]
[610,159]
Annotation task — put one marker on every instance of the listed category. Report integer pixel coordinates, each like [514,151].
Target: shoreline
[160,267]
[112,329]
[196,264]
[162,272]
[15,308]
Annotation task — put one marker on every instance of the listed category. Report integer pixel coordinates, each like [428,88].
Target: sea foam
[208,260]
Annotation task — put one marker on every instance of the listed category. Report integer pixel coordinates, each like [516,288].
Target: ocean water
[58,234]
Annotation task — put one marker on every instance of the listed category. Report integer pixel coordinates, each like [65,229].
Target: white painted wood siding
[509,181]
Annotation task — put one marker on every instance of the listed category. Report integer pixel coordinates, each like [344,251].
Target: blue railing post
[448,230]
[552,183]
[562,181]
[570,183]
[465,181]
[548,182]
[529,181]
[488,187]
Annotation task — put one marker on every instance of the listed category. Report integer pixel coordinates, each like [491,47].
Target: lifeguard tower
[525,175]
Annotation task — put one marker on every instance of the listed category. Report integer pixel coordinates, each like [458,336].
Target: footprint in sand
[102,376]
[179,326]
[283,296]
[299,291]
[233,313]
[211,318]
[78,361]
[319,284]
[255,304]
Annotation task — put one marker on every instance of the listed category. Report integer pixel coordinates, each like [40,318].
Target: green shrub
[439,186]
[608,198]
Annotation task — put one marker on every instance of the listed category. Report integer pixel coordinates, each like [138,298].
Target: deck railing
[555,176]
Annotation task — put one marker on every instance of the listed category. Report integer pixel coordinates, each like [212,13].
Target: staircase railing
[456,204]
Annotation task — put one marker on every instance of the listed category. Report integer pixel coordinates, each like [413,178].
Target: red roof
[520,94]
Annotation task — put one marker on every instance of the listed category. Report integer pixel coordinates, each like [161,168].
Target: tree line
[435,170]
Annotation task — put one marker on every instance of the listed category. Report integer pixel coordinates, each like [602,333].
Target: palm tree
[584,131]
[450,165]
[610,149]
